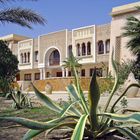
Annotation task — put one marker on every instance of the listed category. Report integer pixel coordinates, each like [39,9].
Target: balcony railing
[53,62]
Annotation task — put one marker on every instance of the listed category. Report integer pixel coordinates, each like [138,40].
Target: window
[48,74]
[69,73]
[78,49]
[54,58]
[99,72]
[37,76]
[27,77]
[36,56]
[88,48]
[24,57]
[69,50]
[100,47]
[83,49]
[18,77]
[28,57]
[83,72]
[21,57]
[107,44]
[91,72]
[59,74]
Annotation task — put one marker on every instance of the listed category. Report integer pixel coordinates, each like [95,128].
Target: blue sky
[62,14]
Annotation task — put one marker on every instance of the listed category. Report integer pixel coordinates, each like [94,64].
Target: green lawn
[38,113]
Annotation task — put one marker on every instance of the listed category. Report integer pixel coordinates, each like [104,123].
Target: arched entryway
[53,63]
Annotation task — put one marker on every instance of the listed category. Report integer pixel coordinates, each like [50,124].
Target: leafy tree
[8,66]
[20,16]
[71,62]
[132,30]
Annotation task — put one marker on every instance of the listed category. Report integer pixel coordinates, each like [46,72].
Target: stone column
[67,72]
[41,74]
[33,77]
[44,73]
[63,72]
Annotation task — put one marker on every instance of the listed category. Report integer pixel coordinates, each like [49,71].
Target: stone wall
[60,84]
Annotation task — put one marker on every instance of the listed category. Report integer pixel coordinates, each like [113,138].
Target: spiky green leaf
[135,117]
[124,131]
[31,124]
[48,102]
[72,91]
[79,129]
[116,81]
[31,133]
[93,98]
[69,108]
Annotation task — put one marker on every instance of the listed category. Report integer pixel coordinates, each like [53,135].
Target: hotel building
[43,57]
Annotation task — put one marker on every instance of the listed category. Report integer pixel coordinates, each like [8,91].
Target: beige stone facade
[43,57]
[118,42]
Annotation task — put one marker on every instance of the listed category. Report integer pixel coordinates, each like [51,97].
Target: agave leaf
[80,92]
[116,81]
[72,90]
[93,98]
[48,102]
[134,117]
[31,133]
[31,124]
[70,108]
[132,85]
[128,133]
[79,129]
[124,131]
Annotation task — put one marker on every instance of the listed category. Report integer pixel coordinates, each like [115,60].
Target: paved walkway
[133,103]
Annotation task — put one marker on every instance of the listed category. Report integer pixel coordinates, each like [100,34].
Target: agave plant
[81,116]
[20,100]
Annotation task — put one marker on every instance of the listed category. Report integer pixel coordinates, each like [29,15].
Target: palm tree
[20,16]
[132,30]
[72,63]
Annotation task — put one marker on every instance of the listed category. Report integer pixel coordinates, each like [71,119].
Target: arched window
[21,58]
[54,58]
[36,56]
[107,44]
[78,49]
[89,48]
[100,47]
[83,49]
[28,55]
[24,57]
[69,50]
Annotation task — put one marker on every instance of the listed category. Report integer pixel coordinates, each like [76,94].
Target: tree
[20,16]
[8,66]
[132,30]
[71,62]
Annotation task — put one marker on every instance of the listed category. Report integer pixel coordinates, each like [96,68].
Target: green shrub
[20,100]
[124,69]
[105,84]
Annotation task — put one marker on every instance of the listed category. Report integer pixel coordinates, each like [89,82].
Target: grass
[38,113]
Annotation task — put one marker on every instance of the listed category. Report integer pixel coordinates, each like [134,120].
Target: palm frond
[20,16]
[132,30]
